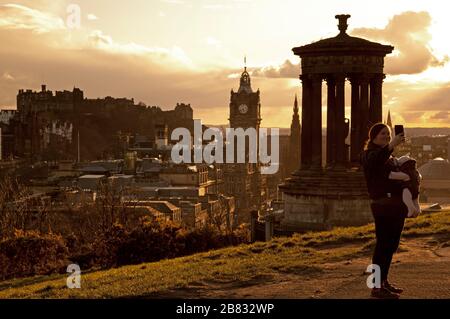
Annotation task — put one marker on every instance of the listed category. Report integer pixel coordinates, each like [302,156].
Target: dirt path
[421,267]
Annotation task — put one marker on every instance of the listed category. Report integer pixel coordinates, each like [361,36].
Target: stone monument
[317,196]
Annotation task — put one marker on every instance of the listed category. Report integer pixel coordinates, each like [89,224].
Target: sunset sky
[162,52]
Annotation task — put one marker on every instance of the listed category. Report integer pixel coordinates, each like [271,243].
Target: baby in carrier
[402,168]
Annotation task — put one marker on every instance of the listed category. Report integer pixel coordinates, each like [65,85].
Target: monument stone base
[320,200]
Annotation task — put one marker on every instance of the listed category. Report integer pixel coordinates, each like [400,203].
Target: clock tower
[245,106]
[244,180]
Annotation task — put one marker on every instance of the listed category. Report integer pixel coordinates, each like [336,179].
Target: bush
[30,253]
[107,244]
[154,239]
[201,239]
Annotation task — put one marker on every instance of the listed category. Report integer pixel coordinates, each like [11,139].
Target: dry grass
[299,254]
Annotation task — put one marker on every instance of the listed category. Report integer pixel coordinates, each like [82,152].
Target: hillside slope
[327,264]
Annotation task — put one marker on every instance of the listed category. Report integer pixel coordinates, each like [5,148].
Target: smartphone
[399,129]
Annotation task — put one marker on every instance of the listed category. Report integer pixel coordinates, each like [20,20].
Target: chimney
[44,88]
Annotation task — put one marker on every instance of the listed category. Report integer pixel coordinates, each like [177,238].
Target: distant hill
[283,130]
[410,131]
[421,131]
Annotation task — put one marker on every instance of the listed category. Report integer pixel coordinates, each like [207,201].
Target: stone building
[91,129]
[186,175]
[6,116]
[426,148]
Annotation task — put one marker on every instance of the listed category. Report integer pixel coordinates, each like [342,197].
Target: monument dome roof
[437,168]
[344,42]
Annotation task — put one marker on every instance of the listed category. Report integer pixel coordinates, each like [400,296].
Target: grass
[301,254]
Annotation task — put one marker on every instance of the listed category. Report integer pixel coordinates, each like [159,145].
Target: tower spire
[295,105]
[389,120]
[295,117]
[294,140]
[245,85]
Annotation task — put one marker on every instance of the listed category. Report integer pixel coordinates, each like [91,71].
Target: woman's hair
[373,132]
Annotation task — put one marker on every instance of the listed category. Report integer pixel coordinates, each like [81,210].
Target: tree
[14,213]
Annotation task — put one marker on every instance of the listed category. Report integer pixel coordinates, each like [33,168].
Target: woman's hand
[397,140]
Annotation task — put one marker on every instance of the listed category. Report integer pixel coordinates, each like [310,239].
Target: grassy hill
[300,255]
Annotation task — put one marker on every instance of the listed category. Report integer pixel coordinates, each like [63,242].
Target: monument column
[376,99]
[331,109]
[316,122]
[340,120]
[306,122]
[364,111]
[355,119]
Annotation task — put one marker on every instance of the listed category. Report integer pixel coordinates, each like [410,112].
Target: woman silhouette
[387,207]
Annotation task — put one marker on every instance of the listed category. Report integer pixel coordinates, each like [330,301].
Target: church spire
[389,120]
[295,117]
[294,140]
[295,105]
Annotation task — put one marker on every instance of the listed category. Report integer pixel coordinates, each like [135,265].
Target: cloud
[98,39]
[213,42]
[436,99]
[216,6]
[408,33]
[93,61]
[443,115]
[14,16]
[7,76]
[100,65]
[175,56]
[55,7]
[417,103]
[408,117]
[285,70]
[90,59]
[225,4]
[92,17]
[174,1]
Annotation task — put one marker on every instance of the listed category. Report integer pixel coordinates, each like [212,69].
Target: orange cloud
[15,16]
[285,70]
[101,66]
[409,34]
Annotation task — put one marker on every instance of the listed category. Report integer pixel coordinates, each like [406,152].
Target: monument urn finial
[342,22]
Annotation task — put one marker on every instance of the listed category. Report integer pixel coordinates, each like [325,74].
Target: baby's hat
[403,159]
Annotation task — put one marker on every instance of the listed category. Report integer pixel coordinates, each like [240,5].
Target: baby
[404,168]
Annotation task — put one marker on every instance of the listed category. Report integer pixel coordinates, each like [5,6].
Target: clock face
[243,108]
